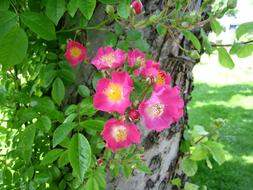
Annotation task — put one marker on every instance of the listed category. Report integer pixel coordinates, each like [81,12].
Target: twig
[228,45]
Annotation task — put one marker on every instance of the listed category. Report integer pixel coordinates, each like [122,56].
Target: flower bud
[99,162]
[109,9]
[133,115]
[137,6]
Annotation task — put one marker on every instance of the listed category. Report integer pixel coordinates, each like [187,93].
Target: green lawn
[227,94]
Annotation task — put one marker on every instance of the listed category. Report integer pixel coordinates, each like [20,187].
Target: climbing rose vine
[158,106]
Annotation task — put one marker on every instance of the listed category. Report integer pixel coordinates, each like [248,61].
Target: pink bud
[99,162]
[133,115]
[137,6]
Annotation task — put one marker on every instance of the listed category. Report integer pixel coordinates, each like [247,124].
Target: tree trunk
[161,149]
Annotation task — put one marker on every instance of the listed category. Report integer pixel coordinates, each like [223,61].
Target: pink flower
[149,68]
[136,57]
[113,95]
[137,6]
[164,107]
[161,79]
[107,58]
[75,52]
[119,134]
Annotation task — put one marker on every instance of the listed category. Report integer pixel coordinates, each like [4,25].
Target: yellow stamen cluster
[155,110]
[114,92]
[75,52]
[119,133]
[109,59]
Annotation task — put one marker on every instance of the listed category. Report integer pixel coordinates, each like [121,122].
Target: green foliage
[87,7]
[39,24]
[51,138]
[124,9]
[79,155]
[58,91]
[243,29]
[225,59]
[55,10]
[13,47]
[191,37]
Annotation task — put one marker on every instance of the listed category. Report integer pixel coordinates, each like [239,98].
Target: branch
[228,45]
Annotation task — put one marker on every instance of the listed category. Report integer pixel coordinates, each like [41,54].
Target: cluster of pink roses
[164,107]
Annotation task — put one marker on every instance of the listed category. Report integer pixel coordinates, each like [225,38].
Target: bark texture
[161,149]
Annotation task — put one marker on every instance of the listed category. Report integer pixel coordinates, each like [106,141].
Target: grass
[233,101]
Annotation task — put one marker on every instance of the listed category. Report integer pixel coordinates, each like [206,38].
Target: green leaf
[96,78]
[92,184]
[26,142]
[93,124]
[108,1]
[191,37]
[55,10]
[243,29]
[161,29]
[245,51]
[176,182]
[189,167]
[63,159]
[199,153]
[190,186]
[87,7]
[118,29]
[61,132]
[39,24]
[225,59]
[217,151]
[133,35]
[13,47]
[123,45]
[110,39]
[234,49]
[4,5]
[67,75]
[87,107]
[142,166]
[71,109]
[47,75]
[51,156]
[198,130]
[83,90]
[216,26]
[58,91]
[123,8]
[142,45]
[100,176]
[72,7]
[7,21]
[127,170]
[206,43]
[44,123]
[79,155]
[70,118]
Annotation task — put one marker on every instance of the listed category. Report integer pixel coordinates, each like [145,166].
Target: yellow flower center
[109,58]
[141,61]
[75,52]
[119,133]
[160,78]
[114,92]
[155,110]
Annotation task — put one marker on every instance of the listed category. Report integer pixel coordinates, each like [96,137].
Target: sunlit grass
[227,94]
